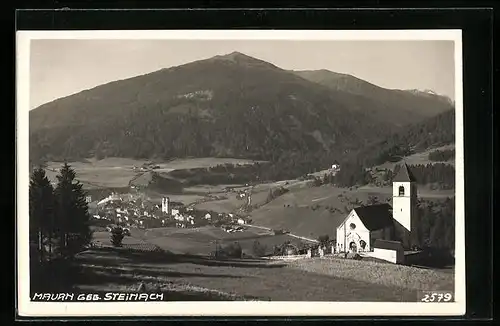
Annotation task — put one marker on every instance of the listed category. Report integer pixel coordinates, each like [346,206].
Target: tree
[323,239]
[372,200]
[117,236]
[233,250]
[437,233]
[435,224]
[72,214]
[41,212]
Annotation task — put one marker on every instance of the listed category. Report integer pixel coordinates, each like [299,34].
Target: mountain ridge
[227,105]
[416,105]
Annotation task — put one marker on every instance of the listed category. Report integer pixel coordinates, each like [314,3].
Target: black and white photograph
[240,173]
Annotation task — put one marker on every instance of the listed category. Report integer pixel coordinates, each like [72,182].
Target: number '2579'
[436,296]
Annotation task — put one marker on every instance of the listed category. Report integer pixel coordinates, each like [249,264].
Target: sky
[59,68]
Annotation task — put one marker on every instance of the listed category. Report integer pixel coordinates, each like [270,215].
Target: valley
[304,210]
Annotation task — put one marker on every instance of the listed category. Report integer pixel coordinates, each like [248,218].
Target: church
[365,226]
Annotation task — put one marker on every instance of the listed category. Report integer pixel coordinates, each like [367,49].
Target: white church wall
[360,232]
[392,256]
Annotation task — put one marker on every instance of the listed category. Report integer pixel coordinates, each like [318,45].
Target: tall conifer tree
[41,212]
[72,213]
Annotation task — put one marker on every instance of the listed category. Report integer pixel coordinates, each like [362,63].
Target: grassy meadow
[197,241]
[184,277]
[115,172]
[419,158]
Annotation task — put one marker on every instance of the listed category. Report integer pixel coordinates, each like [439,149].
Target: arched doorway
[352,246]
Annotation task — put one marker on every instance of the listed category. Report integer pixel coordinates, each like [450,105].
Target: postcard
[240,173]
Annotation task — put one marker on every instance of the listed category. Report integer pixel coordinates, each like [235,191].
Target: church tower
[164,204]
[404,200]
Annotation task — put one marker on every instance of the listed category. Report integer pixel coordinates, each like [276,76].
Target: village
[131,210]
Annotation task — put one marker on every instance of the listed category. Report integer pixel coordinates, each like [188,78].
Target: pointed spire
[404,174]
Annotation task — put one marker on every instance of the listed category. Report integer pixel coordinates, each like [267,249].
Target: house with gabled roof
[335,165]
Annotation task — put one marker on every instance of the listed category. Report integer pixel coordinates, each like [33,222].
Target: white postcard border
[210,308]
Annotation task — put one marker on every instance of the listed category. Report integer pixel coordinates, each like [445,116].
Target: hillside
[400,106]
[431,133]
[225,106]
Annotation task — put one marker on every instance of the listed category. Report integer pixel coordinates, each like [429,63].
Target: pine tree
[41,210]
[438,233]
[425,215]
[71,213]
[373,200]
[117,236]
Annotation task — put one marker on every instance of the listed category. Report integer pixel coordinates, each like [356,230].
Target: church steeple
[404,196]
[404,174]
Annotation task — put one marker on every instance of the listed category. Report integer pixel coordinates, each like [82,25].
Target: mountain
[400,106]
[225,106]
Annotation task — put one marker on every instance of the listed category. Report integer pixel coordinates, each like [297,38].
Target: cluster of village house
[129,210]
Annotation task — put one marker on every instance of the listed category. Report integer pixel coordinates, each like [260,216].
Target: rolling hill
[225,106]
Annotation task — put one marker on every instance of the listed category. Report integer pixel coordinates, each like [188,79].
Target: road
[290,234]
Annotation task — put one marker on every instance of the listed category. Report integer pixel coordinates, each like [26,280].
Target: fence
[290,257]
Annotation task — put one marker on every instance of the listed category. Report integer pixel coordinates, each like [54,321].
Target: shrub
[352,255]
[233,250]
[117,236]
[258,249]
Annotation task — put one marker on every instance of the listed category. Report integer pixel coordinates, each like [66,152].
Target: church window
[401,190]
[352,226]
[362,243]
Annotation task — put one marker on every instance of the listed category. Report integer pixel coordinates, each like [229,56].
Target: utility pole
[216,253]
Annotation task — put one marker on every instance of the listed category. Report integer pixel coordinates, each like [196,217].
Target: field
[312,211]
[187,277]
[116,172]
[95,177]
[304,210]
[197,241]
[419,158]
[176,262]
[381,273]
[204,162]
